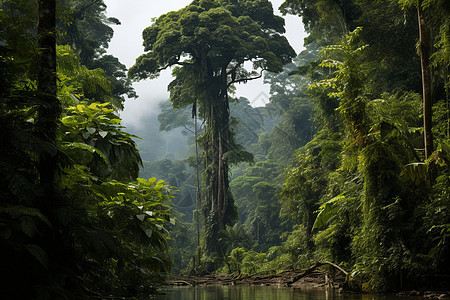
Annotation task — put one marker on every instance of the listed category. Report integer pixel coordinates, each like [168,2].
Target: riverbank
[294,278]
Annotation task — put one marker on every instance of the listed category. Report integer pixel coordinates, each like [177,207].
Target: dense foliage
[360,192]
[347,163]
[75,221]
[342,170]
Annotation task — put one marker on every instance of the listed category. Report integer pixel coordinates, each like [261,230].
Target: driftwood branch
[180,282]
[254,276]
[336,267]
[306,272]
[315,266]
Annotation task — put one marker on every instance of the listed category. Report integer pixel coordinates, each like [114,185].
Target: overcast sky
[135,16]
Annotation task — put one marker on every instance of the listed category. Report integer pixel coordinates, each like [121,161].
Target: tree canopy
[228,33]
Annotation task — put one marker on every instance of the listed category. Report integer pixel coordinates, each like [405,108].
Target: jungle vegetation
[347,165]
[348,162]
[75,220]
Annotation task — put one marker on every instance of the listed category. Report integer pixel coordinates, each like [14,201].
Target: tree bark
[424,49]
[50,108]
[220,186]
[216,201]
[217,204]
[198,196]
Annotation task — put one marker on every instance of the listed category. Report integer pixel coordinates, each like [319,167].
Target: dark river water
[263,293]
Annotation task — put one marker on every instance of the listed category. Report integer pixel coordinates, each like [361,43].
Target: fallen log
[336,267]
[315,266]
[180,282]
[254,276]
[286,277]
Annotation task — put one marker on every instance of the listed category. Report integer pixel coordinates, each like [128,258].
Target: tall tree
[50,108]
[326,21]
[209,41]
[89,33]
[424,51]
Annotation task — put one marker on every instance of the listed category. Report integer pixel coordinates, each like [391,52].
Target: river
[263,293]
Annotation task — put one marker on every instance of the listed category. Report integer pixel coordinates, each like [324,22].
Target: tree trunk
[50,109]
[198,196]
[424,49]
[216,197]
[220,185]
[218,205]
[49,112]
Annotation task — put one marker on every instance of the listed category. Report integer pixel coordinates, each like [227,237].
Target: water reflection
[262,293]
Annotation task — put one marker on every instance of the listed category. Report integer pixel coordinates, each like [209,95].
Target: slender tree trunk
[198,193]
[448,109]
[209,207]
[48,115]
[49,110]
[424,49]
[220,185]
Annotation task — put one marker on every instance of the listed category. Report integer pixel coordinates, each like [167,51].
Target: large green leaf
[38,253]
[83,146]
[328,211]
